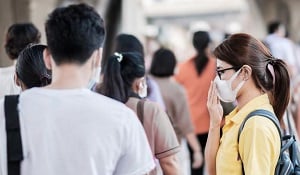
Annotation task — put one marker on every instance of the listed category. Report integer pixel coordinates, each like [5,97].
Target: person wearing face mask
[124,81]
[248,74]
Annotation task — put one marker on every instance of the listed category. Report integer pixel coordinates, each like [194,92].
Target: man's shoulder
[7,70]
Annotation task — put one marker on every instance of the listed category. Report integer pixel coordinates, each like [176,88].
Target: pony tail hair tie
[119,56]
[270,66]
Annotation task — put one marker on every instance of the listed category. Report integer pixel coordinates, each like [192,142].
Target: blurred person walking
[282,47]
[130,43]
[124,80]
[162,70]
[67,129]
[195,76]
[18,36]
[251,76]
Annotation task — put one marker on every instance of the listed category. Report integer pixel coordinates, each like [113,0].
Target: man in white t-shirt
[18,36]
[281,47]
[67,129]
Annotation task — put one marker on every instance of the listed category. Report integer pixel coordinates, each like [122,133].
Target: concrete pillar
[294,25]
[39,11]
[133,19]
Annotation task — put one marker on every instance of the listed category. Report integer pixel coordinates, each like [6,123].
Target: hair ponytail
[280,93]
[201,41]
[120,72]
[113,84]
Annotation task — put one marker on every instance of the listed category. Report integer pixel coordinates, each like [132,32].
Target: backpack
[289,157]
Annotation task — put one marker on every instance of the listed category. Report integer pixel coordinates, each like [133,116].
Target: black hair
[119,75]
[128,43]
[163,63]
[18,36]
[30,67]
[201,40]
[74,33]
[273,27]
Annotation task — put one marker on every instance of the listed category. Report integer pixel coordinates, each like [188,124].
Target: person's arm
[166,145]
[213,140]
[170,165]
[197,150]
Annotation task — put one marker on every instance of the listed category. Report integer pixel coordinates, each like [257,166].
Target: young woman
[124,80]
[251,76]
[30,68]
[195,76]
[162,70]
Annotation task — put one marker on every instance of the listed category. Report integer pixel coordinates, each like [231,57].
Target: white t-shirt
[7,82]
[281,48]
[77,132]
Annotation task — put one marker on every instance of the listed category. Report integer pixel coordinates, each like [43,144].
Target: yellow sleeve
[259,146]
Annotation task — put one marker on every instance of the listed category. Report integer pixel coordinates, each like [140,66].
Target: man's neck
[70,76]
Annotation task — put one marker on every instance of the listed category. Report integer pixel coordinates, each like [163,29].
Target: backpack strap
[263,113]
[140,110]
[13,138]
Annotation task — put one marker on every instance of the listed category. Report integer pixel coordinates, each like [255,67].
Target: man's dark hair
[163,63]
[18,36]
[74,33]
[128,43]
[273,27]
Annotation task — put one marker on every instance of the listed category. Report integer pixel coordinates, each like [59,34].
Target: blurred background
[164,22]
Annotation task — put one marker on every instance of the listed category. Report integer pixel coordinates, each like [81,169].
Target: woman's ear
[47,58]
[246,72]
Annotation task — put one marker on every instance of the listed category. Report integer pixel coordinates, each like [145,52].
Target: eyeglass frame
[222,71]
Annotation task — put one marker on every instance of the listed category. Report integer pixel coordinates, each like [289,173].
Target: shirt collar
[238,116]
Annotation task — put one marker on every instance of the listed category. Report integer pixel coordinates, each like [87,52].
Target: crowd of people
[78,117]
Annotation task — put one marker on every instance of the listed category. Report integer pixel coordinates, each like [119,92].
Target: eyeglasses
[222,71]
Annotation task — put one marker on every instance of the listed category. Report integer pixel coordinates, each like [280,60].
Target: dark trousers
[202,138]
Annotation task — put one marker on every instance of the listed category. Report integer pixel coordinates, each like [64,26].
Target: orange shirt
[197,87]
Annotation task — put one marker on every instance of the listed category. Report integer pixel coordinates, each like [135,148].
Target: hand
[197,159]
[214,106]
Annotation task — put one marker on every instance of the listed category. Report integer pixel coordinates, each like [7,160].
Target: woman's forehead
[221,63]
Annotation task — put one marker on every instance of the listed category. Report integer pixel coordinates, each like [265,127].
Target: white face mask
[226,94]
[143,89]
[95,78]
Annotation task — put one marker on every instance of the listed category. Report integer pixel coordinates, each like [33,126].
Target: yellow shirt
[259,145]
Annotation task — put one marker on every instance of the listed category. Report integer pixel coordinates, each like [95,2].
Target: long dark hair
[201,40]
[119,74]
[30,67]
[243,49]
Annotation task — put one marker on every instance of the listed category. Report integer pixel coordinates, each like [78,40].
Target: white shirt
[7,82]
[281,48]
[77,132]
